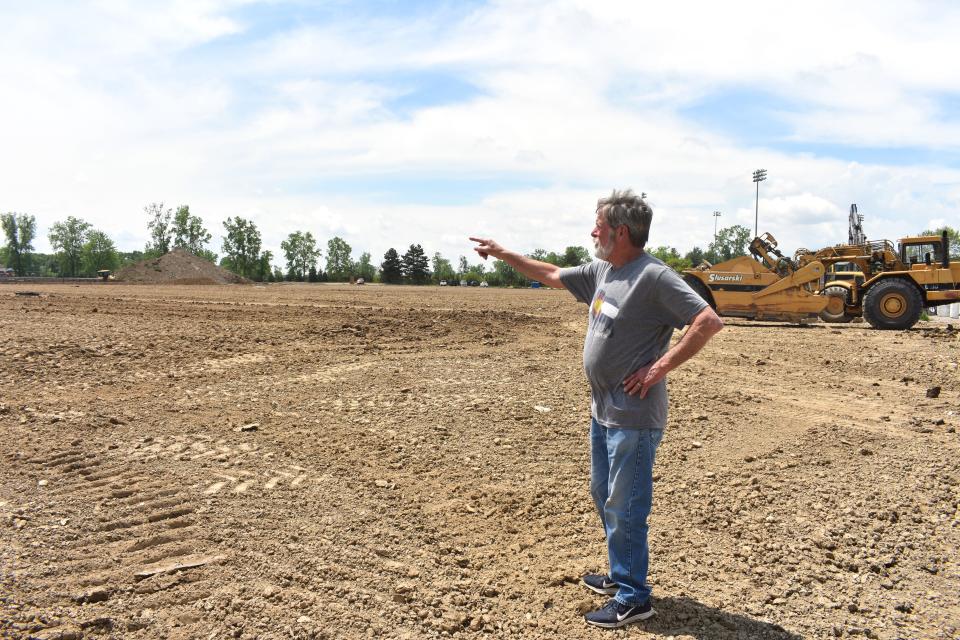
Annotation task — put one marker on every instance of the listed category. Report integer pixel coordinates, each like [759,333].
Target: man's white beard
[600,251]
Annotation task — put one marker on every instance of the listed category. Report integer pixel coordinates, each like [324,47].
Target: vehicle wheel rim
[893,305]
[835,305]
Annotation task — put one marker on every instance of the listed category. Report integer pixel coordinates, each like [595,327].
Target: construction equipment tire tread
[837,292]
[892,304]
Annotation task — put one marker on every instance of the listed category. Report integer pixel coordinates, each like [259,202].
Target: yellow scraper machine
[895,286]
[765,285]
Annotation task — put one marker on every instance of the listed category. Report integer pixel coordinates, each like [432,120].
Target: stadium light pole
[758,176]
[716,214]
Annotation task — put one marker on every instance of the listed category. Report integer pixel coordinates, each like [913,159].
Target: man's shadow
[686,617]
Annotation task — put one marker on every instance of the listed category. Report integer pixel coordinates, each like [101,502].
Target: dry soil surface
[310,461]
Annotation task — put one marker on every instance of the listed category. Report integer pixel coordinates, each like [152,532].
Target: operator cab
[921,250]
[848,271]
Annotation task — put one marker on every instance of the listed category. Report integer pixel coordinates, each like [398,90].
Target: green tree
[338,259]
[159,222]
[364,268]
[67,240]
[302,254]
[277,275]
[242,247]
[953,237]
[263,266]
[391,271]
[671,257]
[538,254]
[506,276]
[189,232]
[44,265]
[475,272]
[695,256]
[442,269]
[99,253]
[554,258]
[494,279]
[129,257]
[463,267]
[729,243]
[575,256]
[416,265]
[19,229]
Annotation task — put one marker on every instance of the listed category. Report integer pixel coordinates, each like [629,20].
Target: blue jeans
[621,483]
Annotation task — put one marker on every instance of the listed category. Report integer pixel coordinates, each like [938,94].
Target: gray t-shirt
[633,312]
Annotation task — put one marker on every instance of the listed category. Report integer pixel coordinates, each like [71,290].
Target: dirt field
[334,462]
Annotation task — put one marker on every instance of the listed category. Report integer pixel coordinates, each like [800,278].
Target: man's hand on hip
[643,378]
[704,325]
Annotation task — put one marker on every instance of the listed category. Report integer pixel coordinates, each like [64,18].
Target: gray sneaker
[600,584]
[614,615]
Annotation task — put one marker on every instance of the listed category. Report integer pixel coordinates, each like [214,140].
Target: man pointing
[635,304]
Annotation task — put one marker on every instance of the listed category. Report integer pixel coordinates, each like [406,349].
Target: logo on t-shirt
[602,314]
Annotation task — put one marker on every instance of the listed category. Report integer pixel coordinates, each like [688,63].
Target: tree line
[81,250]
[729,242]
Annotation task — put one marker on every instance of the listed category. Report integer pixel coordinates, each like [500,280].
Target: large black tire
[701,290]
[836,309]
[892,304]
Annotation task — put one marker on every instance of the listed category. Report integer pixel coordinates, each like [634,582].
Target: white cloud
[118,105]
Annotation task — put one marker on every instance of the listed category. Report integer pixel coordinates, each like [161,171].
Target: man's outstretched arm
[704,326]
[548,274]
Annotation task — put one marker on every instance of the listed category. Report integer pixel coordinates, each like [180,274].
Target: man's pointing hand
[487,247]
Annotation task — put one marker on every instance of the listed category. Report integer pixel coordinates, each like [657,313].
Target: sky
[390,123]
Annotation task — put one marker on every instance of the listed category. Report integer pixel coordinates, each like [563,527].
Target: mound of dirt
[178,267]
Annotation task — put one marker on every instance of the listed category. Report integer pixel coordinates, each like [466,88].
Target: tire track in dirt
[138,536]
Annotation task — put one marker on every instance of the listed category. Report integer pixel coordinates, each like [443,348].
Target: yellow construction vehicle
[766,285]
[897,283]
[889,287]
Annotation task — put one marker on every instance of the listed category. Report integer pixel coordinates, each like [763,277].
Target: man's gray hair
[627,208]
